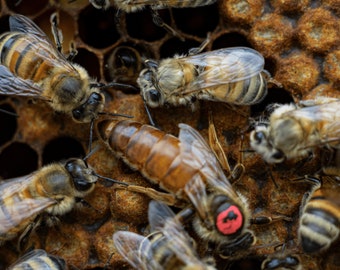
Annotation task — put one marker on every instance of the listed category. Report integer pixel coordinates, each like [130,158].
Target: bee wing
[135,249]
[23,24]
[13,85]
[196,153]
[28,256]
[180,243]
[14,211]
[158,214]
[224,66]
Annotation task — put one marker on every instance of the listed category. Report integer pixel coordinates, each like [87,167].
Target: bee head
[82,176]
[259,141]
[149,92]
[89,110]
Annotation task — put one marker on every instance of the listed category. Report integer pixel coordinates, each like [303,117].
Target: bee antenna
[115,114]
[9,113]
[247,150]
[152,122]
[121,86]
[110,179]
[94,150]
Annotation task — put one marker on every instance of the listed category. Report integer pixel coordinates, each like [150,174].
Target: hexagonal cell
[17,159]
[196,21]
[233,39]
[62,148]
[175,46]
[89,61]
[8,123]
[140,25]
[97,28]
[26,7]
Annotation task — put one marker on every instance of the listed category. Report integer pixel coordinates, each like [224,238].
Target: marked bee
[167,247]
[187,168]
[136,5]
[47,193]
[231,75]
[31,66]
[319,225]
[38,259]
[294,131]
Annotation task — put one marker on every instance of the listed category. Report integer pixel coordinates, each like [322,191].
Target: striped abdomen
[244,92]
[319,223]
[37,260]
[25,56]
[18,209]
[151,151]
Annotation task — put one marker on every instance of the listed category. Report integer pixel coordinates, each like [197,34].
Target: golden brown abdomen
[151,151]
[25,57]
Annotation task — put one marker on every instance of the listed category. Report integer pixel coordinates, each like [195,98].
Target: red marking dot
[230,220]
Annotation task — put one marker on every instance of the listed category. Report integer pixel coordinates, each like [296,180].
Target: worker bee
[187,168]
[31,66]
[232,75]
[38,259]
[124,64]
[319,225]
[167,247]
[49,192]
[133,6]
[294,131]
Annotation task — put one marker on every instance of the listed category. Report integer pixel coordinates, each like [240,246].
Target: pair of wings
[223,66]
[327,114]
[39,258]
[14,85]
[139,251]
[13,213]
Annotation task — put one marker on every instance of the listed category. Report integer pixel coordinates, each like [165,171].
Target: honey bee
[136,5]
[38,259]
[187,168]
[167,247]
[294,131]
[124,64]
[319,222]
[232,75]
[49,192]
[291,262]
[31,66]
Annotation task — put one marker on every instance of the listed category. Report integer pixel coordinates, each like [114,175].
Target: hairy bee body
[30,65]
[231,75]
[136,5]
[320,221]
[52,190]
[294,132]
[38,259]
[186,167]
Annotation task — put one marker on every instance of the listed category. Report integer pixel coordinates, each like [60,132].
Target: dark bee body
[31,66]
[320,220]
[52,190]
[38,259]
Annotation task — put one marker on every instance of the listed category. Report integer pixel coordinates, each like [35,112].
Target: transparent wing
[196,153]
[328,115]
[36,253]
[223,66]
[135,249]
[13,85]
[158,215]
[180,243]
[23,24]
[14,210]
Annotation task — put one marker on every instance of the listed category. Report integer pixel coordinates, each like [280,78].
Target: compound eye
[154,95]
[95,98]
[77,114]
[259,136]
[278,155]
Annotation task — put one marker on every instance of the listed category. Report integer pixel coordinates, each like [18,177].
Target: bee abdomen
[24,57]
[48,262]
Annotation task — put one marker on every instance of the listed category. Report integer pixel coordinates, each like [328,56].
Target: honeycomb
[300,42]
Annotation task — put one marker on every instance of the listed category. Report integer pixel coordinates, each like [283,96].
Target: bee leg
[57,34]
[73,52]
[203,45]
[263,220]
[25,235]
[167,198]
[151,120]
[159,22]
